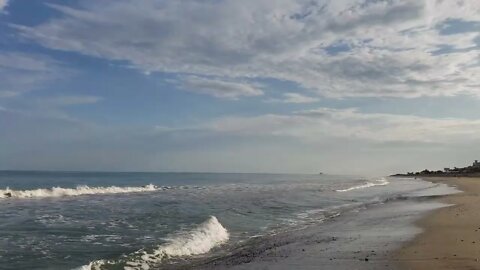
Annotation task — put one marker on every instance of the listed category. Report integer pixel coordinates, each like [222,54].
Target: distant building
[472,170]
[476,164]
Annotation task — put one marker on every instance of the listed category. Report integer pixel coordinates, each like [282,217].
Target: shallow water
[150,220]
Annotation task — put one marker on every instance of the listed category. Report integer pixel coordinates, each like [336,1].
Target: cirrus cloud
[219,88]
[293,98]
[61,101]
[23,72]
[317,125]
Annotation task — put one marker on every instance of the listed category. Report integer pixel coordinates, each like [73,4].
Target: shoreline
[364,238]
[451,235]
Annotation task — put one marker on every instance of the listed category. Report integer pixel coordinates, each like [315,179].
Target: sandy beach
[451,237]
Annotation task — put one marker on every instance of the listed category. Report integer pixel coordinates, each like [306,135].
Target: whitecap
[380,182]
[77,191]
[199,240]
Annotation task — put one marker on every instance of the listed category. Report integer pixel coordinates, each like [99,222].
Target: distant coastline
[469,171]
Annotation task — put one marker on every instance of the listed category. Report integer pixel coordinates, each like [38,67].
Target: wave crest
[200,240]
[381,182]
[79,190]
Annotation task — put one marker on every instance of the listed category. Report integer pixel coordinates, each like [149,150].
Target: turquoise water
[146,220]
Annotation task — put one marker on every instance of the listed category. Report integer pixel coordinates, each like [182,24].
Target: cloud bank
[337,140]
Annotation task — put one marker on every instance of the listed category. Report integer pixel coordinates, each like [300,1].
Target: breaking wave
[79,190]
[200,240]
[381,182]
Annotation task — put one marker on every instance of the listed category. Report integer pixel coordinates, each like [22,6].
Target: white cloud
[391,43]
[293,98]
[3,4]
[219,88]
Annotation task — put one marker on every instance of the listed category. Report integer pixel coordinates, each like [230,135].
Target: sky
[287,86]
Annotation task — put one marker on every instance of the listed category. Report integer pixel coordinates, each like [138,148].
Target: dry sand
[451,237]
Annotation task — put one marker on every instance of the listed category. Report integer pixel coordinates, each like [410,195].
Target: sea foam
[79,190]
[380,182]
[199,240]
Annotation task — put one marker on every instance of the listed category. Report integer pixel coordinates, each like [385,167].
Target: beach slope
[451,237]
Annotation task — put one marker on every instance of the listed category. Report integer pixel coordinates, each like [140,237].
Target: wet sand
[451,237]
[363,240]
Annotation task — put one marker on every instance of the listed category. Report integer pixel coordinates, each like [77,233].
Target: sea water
[79,220]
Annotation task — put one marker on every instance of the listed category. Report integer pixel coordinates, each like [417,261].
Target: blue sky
[353,87]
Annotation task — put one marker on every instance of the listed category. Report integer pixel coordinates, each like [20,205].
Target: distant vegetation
[473,170]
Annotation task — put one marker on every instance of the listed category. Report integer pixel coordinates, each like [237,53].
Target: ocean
[92,220]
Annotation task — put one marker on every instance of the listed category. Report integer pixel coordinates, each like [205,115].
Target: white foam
[380,182]
[200,240]
[96,265]
[79,190]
